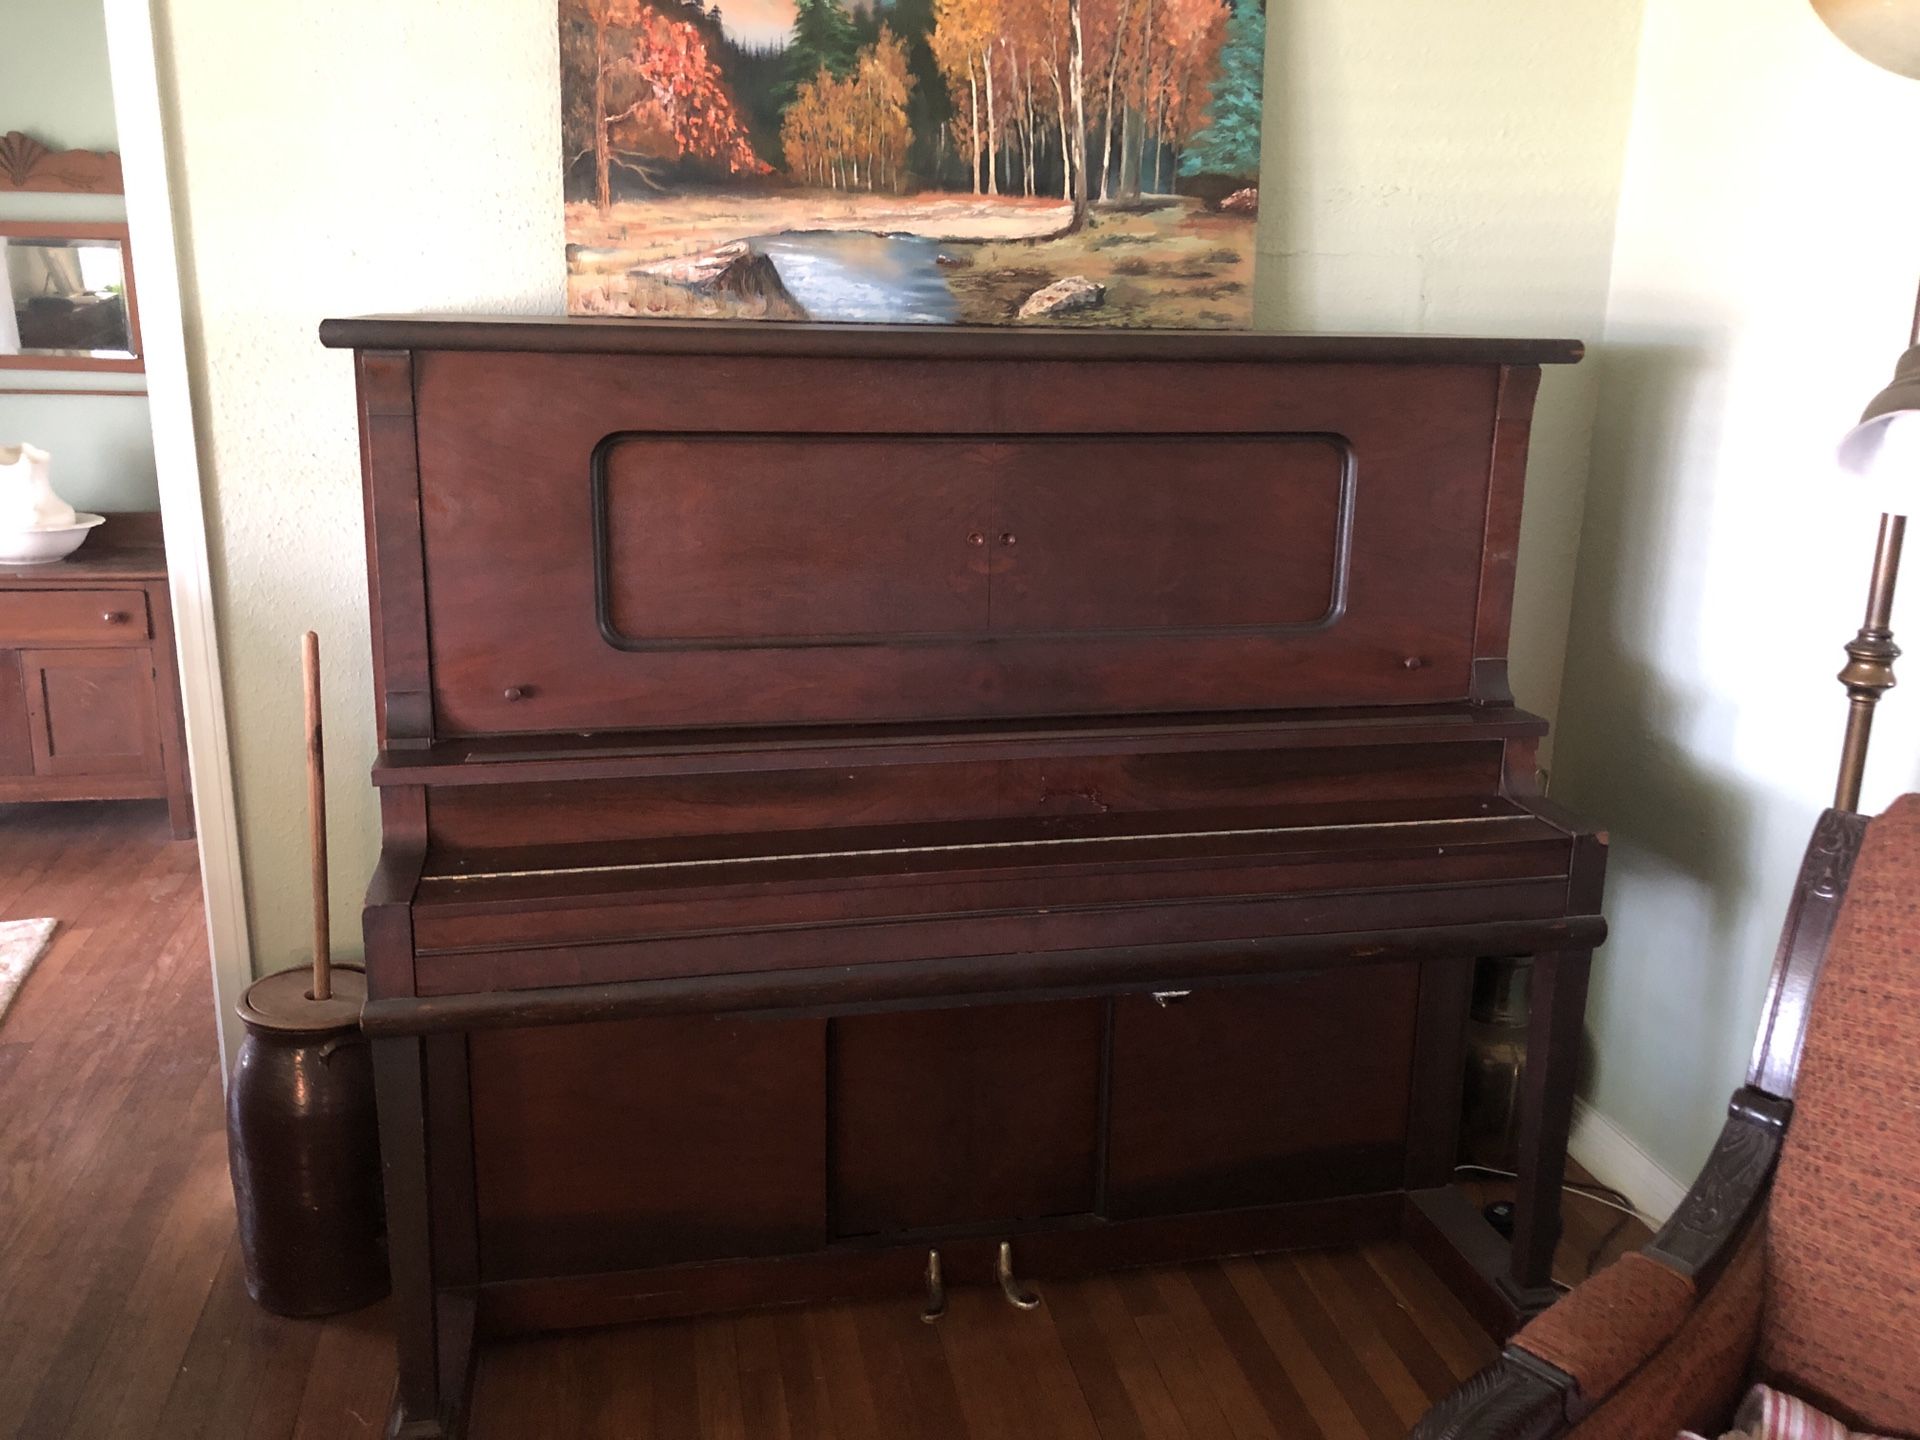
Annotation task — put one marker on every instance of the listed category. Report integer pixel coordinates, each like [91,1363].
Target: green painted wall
[1763,280]
[55,85]
[54,82]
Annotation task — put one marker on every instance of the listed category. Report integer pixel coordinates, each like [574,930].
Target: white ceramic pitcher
[36,525]
[27,501]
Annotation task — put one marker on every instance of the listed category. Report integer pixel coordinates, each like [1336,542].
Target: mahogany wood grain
[16,731]
[985,979]
[510,759]
[1824,872]
[396,581]
[88,682]
[602,811]
[1506,484]
[863,1266]
[537,335]
[1559,1001]
[964,1116]
[92,714]
[514,619]
[1035,935]
[1439,1070]
[648,1142]
[74,617]
[932,699]
[797,542]
[1288,1091]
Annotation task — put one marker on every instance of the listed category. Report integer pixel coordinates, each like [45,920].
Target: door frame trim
[151,216]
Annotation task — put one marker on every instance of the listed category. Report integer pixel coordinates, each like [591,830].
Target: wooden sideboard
[89,689]
[850,794]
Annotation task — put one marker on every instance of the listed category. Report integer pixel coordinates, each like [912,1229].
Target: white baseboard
[1612,1157]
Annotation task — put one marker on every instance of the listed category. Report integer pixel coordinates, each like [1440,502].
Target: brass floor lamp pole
[1868,673]
[1870,655]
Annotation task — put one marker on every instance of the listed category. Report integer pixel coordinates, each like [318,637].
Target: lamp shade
[1887,32]
[1883,450]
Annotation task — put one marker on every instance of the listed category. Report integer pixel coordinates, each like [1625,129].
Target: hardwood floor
[123,1313]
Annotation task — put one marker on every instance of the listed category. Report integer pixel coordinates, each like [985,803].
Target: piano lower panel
[893,1269]
[651,1145]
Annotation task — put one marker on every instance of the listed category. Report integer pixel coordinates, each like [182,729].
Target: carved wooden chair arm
[1587,1349]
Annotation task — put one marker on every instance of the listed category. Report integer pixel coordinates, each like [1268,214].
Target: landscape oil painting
[1001,162]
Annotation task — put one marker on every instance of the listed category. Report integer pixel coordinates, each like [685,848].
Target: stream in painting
[858,275]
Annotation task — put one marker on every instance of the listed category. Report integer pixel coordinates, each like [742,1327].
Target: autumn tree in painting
[697,139]
[853,133]
[658,97]
[961,42]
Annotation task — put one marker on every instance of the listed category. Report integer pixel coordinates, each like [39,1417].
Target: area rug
[22,943]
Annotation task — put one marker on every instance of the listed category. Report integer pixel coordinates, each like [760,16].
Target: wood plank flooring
[123,1311]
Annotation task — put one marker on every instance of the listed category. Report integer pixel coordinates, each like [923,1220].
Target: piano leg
[433,1327]
[1554,1029]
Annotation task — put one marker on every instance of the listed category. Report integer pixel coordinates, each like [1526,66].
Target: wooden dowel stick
[317,819]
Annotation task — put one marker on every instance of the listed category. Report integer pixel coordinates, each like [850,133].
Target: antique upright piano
[873,808]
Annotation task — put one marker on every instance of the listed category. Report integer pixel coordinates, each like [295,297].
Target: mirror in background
[69,298]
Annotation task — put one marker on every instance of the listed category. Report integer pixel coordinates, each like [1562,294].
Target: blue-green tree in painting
[1229,143]
[823,39]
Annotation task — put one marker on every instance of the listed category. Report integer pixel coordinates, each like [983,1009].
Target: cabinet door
[954,1117]
[16,743]
[725,540]
[91,712]
[634,1143]
[1293,1090]
[1170,534]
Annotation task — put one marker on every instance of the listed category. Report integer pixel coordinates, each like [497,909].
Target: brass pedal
[936,1290]
[1018,1295]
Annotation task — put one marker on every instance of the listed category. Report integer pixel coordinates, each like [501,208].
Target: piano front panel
[641,1143]
[1294,1090]
[943,539]
[644,1144]
[964,1116]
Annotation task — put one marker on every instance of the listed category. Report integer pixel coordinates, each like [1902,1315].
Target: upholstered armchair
[1795,1258]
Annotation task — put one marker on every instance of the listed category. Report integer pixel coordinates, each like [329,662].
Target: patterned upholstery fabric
[1605,1330]
[1697,1378]
[1843,1256]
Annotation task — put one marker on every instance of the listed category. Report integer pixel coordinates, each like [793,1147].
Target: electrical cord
[1600,1194]
[1604,1195]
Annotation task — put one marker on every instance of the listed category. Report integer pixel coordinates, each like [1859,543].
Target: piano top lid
[816,340]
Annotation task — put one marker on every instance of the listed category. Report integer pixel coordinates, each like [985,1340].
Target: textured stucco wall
[1454,169]
[333,160]
[1430,167]
[1763,280]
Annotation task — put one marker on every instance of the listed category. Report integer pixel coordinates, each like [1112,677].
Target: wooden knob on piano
[1415,662]
[974,537]
[513,693]
[1007,537]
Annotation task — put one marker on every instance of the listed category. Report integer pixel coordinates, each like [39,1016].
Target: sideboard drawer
[74,617]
